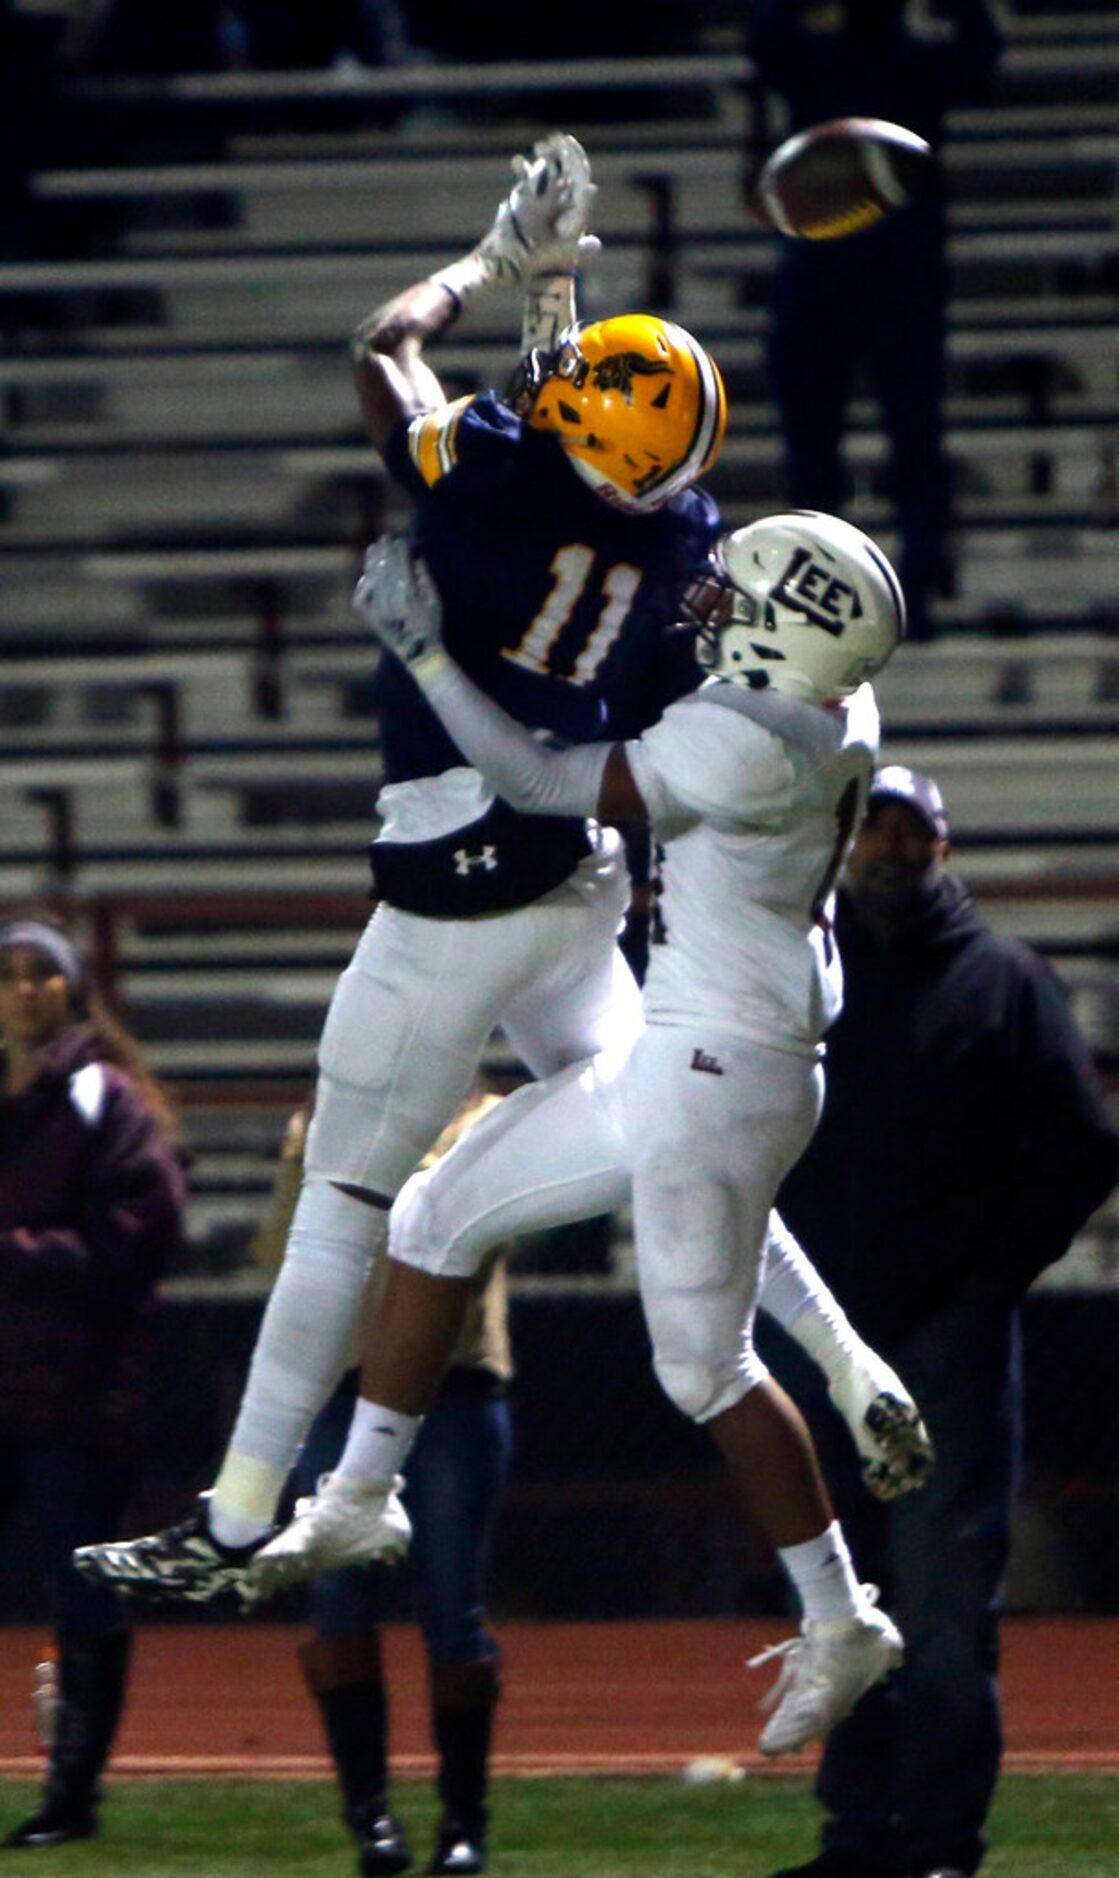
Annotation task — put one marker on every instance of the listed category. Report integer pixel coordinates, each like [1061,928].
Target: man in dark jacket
[965,1139]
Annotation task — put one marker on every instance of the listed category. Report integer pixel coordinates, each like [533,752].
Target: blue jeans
[908,1779]
[75,1498]
[454,1474]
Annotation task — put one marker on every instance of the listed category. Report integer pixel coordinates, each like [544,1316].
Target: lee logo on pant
[710,1065]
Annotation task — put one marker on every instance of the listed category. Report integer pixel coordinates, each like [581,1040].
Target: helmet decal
[636,403]
[618,373]
[816,592]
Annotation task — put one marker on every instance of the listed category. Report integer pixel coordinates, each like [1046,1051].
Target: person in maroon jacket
[91,1207]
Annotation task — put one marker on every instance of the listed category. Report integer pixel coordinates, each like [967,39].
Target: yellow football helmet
[635,401]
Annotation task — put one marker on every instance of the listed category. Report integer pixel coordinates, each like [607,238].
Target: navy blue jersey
[554,603]
[561,609]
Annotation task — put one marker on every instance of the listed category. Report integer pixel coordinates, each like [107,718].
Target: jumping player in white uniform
[753,785]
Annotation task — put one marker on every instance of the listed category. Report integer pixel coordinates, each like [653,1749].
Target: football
[838,178]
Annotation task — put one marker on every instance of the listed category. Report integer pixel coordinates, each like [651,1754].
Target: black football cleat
[185,1564]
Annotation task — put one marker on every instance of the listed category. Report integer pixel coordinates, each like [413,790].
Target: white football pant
[415,1008]
[702,1127]
[403,1039]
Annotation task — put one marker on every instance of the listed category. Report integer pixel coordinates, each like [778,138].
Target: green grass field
[1062,1826]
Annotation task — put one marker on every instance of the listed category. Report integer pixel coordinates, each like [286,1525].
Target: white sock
[824,1577]
[377,1446]
[249,1497]
[302,1347]
[793,1293]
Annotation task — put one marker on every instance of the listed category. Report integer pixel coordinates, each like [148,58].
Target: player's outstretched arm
[397,598]
[538,234]
[392,378]
[553,263]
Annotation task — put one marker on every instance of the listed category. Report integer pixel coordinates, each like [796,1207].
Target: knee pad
[310,1328]
[409,1237]
[702,1390]
[423,1232]
[330,1227]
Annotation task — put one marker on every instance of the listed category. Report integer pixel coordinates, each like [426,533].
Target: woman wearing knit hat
[91,1204]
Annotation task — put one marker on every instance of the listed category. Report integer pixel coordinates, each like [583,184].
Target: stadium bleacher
[188,757]
[184,488]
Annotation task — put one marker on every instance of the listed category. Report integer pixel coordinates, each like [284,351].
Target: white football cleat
[895,1451]
[825,1671]
[344,1523]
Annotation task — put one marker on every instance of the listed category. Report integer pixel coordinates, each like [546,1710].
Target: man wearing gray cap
[964,1140]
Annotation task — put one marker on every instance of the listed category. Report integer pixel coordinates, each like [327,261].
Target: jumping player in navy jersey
[558,604]
[562,525]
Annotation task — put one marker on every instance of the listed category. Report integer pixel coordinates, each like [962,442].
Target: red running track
[611,1697]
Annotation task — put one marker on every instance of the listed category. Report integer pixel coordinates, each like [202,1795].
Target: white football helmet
[802,603]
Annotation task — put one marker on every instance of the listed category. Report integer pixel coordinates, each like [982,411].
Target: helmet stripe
[710,413]
[712,404]
[892,582]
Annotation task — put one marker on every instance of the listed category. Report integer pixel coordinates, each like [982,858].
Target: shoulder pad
[433,439]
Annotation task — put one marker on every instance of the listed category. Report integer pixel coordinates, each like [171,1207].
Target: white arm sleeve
[524,772]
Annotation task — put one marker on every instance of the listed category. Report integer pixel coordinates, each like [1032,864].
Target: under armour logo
[487,860]
[710,1065]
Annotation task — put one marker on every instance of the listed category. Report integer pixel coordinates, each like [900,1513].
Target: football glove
[396,597]
[541,226]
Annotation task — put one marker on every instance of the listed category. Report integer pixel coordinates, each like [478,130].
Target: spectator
[874,302]
[964,1140]
[454,1476]
[91,1200]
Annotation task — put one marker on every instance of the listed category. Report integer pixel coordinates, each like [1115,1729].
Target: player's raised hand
[396,597]
[542,225]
